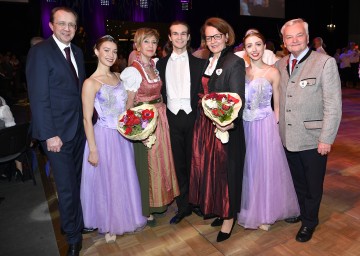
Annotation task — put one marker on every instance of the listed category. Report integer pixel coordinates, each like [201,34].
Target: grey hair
[2,101]
[294,21]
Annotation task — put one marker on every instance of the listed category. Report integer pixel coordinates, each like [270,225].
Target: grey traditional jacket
[310,101]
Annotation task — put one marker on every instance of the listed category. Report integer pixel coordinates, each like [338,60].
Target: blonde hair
[143,33]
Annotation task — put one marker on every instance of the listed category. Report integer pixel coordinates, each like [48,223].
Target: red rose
[225,107]
[130,113]
[128,130]
[133,120]
[211,95]
[219,97]
[215,112]
[218,112]
[232,99]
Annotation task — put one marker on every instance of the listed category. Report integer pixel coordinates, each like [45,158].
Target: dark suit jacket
[196,66]
[229,75]
[54,93]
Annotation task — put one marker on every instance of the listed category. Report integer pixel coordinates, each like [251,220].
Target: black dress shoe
[293,219]
[178,217]
[217,222]
[304,234]
[210,216]
[197,211]
[224,236]
[19,175]
[88,230]
[74,249]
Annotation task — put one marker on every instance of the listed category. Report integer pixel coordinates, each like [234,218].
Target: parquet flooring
[337,234]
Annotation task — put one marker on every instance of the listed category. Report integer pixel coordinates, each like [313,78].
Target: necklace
[148,67]
[144,65]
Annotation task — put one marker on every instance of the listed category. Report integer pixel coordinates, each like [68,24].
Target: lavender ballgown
[110,192]
[268,192]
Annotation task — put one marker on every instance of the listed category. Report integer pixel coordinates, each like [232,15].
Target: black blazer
[196,66]
[229,75]
[54,93]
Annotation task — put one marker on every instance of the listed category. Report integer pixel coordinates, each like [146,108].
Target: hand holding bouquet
[139,123]
[222,108]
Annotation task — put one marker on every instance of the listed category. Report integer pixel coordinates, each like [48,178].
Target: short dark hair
[221,25]
[62,8]
[179,22]
[101,40]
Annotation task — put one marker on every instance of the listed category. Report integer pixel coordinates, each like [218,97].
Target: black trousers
[66,167]
[308,171]
[181,136]
[354,72]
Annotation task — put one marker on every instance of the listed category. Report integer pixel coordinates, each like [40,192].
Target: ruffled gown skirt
[216,170]
[110,192]
[268,191]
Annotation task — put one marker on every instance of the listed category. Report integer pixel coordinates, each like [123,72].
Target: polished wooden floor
[337,234]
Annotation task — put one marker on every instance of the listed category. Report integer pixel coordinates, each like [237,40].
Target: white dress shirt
[178,83]
[62,47]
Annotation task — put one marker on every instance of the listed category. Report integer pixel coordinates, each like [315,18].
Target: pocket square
[218,71]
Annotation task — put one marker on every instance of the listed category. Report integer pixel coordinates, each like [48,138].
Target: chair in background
[14,141]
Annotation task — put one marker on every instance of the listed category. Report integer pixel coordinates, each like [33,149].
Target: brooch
[303,84]
[218,71]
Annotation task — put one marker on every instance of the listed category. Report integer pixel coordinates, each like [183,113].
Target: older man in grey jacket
[310,114]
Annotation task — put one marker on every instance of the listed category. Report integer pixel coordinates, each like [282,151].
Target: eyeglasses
[63,24]
[216,37]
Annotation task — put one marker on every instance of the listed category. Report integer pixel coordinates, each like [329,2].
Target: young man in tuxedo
[181,74]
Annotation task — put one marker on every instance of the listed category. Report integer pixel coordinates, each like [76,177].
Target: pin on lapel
[218,71]
[303,84]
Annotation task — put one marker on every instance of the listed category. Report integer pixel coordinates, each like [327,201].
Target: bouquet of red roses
[222,108]
[139,123]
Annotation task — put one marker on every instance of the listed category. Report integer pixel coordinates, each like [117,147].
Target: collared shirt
[62,47]
[6,117]
[301,55]
[178,83]
[354,56]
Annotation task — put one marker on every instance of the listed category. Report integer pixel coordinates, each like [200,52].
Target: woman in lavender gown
[110,191]
[268,192]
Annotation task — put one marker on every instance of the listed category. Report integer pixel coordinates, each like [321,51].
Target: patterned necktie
[293,64]
[68,58]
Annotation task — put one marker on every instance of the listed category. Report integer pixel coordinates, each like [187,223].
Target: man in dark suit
[54,79]
[181,73]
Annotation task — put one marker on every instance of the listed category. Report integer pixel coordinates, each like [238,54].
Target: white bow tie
[175,56]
